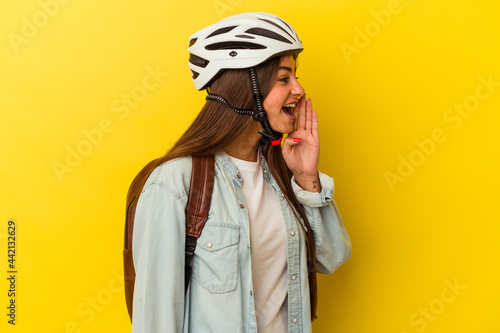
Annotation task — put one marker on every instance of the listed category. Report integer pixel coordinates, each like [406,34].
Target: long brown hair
[217,127]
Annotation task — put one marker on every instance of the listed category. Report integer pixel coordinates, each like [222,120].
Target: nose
[297,89]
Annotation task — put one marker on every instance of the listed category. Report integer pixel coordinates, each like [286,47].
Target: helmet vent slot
[268,33]
[234,46]
[200,62]
[192,41]
[277,25]
[195,74]
[221,31]
[245,36]
[289,27]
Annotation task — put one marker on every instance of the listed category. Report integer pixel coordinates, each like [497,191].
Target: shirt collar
[223,159]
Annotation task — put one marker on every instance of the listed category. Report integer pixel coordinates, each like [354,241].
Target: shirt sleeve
[333,246]
[158,254]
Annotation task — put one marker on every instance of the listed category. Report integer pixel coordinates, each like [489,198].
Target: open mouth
[288,109]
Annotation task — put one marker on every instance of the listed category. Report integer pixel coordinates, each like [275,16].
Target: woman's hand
[301,147]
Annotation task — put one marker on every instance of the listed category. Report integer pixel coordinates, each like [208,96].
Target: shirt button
[294,277]
[239,176]
[292,233]
[242,206]
[209,245]
[282,194]
[265,171]
[294,320]
[248,246]
[251,293]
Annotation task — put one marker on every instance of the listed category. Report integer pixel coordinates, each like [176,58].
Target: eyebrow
[285,68]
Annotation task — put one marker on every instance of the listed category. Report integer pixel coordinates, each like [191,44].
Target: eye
[284,79]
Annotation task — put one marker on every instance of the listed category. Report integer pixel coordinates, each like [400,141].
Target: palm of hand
[302,156]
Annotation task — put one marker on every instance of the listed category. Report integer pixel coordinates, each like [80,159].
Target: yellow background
[67,66]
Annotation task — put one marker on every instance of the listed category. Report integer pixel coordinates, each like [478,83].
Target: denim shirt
[220,297]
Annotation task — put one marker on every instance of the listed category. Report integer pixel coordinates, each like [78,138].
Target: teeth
[290,105]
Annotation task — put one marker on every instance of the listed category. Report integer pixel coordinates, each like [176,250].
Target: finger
[296,116]
[302,113]
[309,116]
[288,144]
[315,130]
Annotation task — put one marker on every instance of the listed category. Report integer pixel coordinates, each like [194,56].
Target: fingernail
[296,139]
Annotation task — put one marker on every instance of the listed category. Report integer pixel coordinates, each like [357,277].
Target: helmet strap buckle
[276,142]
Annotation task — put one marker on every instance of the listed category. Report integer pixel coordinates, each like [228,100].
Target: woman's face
[281,104]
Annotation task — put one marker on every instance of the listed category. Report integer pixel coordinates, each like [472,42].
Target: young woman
[272,221]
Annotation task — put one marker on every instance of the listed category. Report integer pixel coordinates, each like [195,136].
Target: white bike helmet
[239,41]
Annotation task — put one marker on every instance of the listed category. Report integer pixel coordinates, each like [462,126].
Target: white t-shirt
[268,244]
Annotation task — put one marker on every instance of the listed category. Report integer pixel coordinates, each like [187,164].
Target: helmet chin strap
[259,114]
